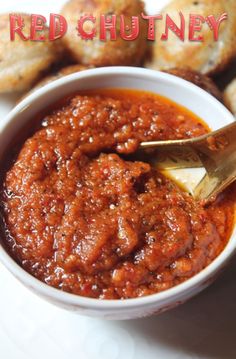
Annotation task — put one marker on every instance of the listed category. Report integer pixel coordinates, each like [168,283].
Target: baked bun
[207,57]
[100,53]
[22,62]
[230,96]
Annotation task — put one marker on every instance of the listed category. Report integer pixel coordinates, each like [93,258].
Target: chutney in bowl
[83,219]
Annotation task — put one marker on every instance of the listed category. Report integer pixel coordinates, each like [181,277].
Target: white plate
[33,329]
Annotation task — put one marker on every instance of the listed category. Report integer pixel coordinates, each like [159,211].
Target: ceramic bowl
[176,89]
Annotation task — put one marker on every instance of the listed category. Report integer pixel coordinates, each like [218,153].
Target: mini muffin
[22,62]
[203,81]
[230,96]
[64,71]
[209,56]
[104,53]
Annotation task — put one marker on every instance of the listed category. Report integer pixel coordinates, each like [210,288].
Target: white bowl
[178,90]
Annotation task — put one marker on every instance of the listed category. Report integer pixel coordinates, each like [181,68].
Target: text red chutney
[82,219]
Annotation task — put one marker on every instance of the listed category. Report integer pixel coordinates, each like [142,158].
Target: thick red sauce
[81,218]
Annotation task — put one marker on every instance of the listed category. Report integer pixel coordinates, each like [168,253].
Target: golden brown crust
[22,62]
[98,53]
[230,96]
[203,81]
[208,56]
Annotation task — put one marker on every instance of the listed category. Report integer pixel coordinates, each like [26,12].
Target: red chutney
[84,220]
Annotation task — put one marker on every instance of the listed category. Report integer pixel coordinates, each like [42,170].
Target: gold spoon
[216,152]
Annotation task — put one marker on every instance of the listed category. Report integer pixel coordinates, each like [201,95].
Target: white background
[30,328]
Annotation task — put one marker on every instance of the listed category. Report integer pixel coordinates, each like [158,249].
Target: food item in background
[64,71]
[203,81]
[23,62]
[104,53]
[230,96]
[208,56]
[83,219]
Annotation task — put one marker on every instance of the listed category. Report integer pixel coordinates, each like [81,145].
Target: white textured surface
[202,328]
[30,328]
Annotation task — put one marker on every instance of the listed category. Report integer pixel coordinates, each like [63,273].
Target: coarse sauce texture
[81,218]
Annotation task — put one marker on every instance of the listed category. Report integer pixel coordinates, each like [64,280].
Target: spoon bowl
[216,152]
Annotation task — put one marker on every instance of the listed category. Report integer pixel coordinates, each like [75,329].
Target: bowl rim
[60,296]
